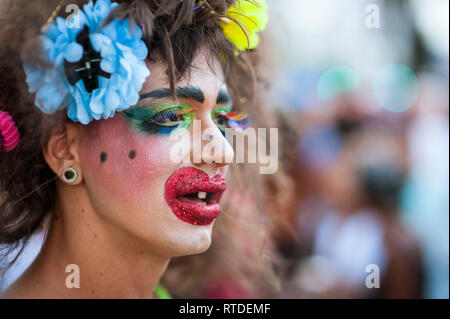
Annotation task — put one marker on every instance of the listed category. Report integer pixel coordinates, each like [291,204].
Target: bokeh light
[396,87]
[336,81]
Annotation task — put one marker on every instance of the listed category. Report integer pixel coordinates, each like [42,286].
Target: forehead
[205,73]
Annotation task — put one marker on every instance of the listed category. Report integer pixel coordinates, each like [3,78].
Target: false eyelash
[235,116]
[151,125]
[167,114]
[237,120]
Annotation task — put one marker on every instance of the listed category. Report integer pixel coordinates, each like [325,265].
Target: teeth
[202,195]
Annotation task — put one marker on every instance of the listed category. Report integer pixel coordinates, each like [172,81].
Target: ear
[61,150]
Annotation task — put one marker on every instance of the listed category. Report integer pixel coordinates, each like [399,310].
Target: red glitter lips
[193,196]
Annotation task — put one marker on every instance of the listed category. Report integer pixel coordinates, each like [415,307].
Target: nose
[214,150]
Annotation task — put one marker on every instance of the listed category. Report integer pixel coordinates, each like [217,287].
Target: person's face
[135,186]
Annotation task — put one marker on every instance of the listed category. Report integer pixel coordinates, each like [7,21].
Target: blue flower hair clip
[96,70]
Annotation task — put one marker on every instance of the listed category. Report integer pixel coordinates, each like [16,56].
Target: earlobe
[61,153]
[70,176]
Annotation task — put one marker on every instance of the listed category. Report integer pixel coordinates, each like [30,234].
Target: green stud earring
[69,175]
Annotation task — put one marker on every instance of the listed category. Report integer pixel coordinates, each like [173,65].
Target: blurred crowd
[369,192]
[370,161]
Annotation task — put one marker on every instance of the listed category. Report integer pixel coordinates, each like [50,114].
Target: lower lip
[192,212]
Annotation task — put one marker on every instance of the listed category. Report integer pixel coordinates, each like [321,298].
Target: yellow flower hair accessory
[252,17]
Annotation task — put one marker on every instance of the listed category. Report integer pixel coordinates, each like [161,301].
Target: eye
[168,118]
[159,120]
[228,119]
[221,120]
[171,117]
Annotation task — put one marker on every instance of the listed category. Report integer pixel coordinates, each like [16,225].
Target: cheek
[124,164]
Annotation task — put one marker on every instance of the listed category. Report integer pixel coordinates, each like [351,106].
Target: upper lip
[191,181]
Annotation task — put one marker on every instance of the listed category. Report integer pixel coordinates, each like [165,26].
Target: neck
[111,264]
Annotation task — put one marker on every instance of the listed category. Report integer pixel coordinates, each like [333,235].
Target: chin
[203,241]
[195,241]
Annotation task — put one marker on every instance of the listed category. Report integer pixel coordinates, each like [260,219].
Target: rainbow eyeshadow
[164,119]
[160,119]
[224,118]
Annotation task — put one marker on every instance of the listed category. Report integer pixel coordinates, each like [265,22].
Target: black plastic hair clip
[88,68]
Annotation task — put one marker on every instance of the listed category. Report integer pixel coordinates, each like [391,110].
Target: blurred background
[362,92]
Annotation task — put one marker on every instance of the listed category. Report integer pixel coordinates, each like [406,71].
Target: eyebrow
[188,92]
[223,97]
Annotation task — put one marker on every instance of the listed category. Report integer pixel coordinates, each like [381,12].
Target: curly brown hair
[173,31]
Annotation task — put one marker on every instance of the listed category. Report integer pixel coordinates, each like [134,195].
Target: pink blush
[118,174]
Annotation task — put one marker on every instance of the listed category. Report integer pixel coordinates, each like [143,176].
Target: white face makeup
[126,168]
